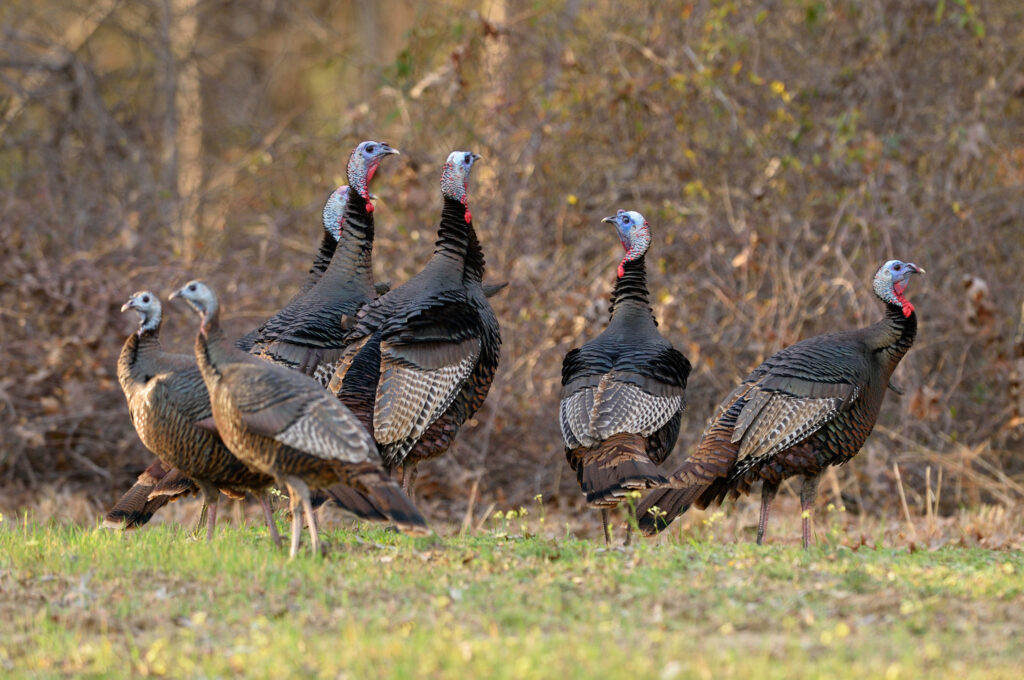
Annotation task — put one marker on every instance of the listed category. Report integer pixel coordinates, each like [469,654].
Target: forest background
[781,151]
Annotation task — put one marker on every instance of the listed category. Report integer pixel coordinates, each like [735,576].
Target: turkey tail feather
[388,498]
[352,501]
[137,505]
[670,503]
[134,508]
[613,468]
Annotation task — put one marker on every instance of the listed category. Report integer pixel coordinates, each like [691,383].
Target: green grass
[78,600]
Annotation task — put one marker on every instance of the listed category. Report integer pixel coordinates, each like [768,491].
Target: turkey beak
[385,149]
[476,157]
[128,305]
[915,268]
[609,220]
[175,294]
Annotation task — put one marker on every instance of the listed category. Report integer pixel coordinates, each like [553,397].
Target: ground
[515,598]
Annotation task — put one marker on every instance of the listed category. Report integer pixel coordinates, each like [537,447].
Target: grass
[79,600]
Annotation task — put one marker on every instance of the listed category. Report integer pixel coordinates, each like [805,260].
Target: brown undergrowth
[780,154]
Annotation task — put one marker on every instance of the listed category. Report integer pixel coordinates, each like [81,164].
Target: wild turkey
[160,483]
[809,406]
[169,407]
[623,392]
[333,218]
[422,357]
[284,424]
[308,333]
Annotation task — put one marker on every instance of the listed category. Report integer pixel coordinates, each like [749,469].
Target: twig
[467,520]
[903,502]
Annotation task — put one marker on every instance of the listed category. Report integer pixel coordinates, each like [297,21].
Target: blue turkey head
[455,177]
[890,283]
[334,211]
[634,234]
[363,163]
[148,307]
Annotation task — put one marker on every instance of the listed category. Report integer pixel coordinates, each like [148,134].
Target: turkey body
[423,356]
[807,407]
[628,383]
[623,391]
[284,424]
[169,408]
[308,334]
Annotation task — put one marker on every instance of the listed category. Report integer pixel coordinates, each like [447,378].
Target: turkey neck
[630,292]
[456,240]
[137,349]
[894,335]
[474,272]
[352,255]
[323,256]
[211,349]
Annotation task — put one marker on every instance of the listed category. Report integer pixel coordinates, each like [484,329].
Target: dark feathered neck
[630,290]
[895,333]
[352,255]
[474,272]
[456,240]
[328,244]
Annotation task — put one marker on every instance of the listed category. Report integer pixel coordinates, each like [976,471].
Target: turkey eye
[466,159]
[896,267]
[192,287]
[371,148]
[625,219]
[145,298]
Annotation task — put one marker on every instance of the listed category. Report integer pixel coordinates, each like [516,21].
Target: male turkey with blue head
[422,356]
[623,392]
[308,333]
[809,406]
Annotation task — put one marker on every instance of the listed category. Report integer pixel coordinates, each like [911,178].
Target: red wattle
[369,206]
[469,216]
[622,271]
[908,309]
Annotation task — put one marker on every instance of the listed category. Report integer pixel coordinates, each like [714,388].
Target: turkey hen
[422,357]
[809,406]
[285,425]
[623,392]
[170,409]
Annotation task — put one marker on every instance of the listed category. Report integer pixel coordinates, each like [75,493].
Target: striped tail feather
[613,468]
[388,498]
[137,506]
[351,501]
[174,485]
[669,504]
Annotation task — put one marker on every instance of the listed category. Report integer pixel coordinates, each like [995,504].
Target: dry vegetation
[780,150]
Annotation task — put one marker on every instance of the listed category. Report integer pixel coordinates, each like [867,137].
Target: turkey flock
[352,380]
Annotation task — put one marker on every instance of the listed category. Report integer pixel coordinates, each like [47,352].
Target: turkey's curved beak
[386,149]
[175,294]
[128,305]
[476,157]
[609,220]
[917,270]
